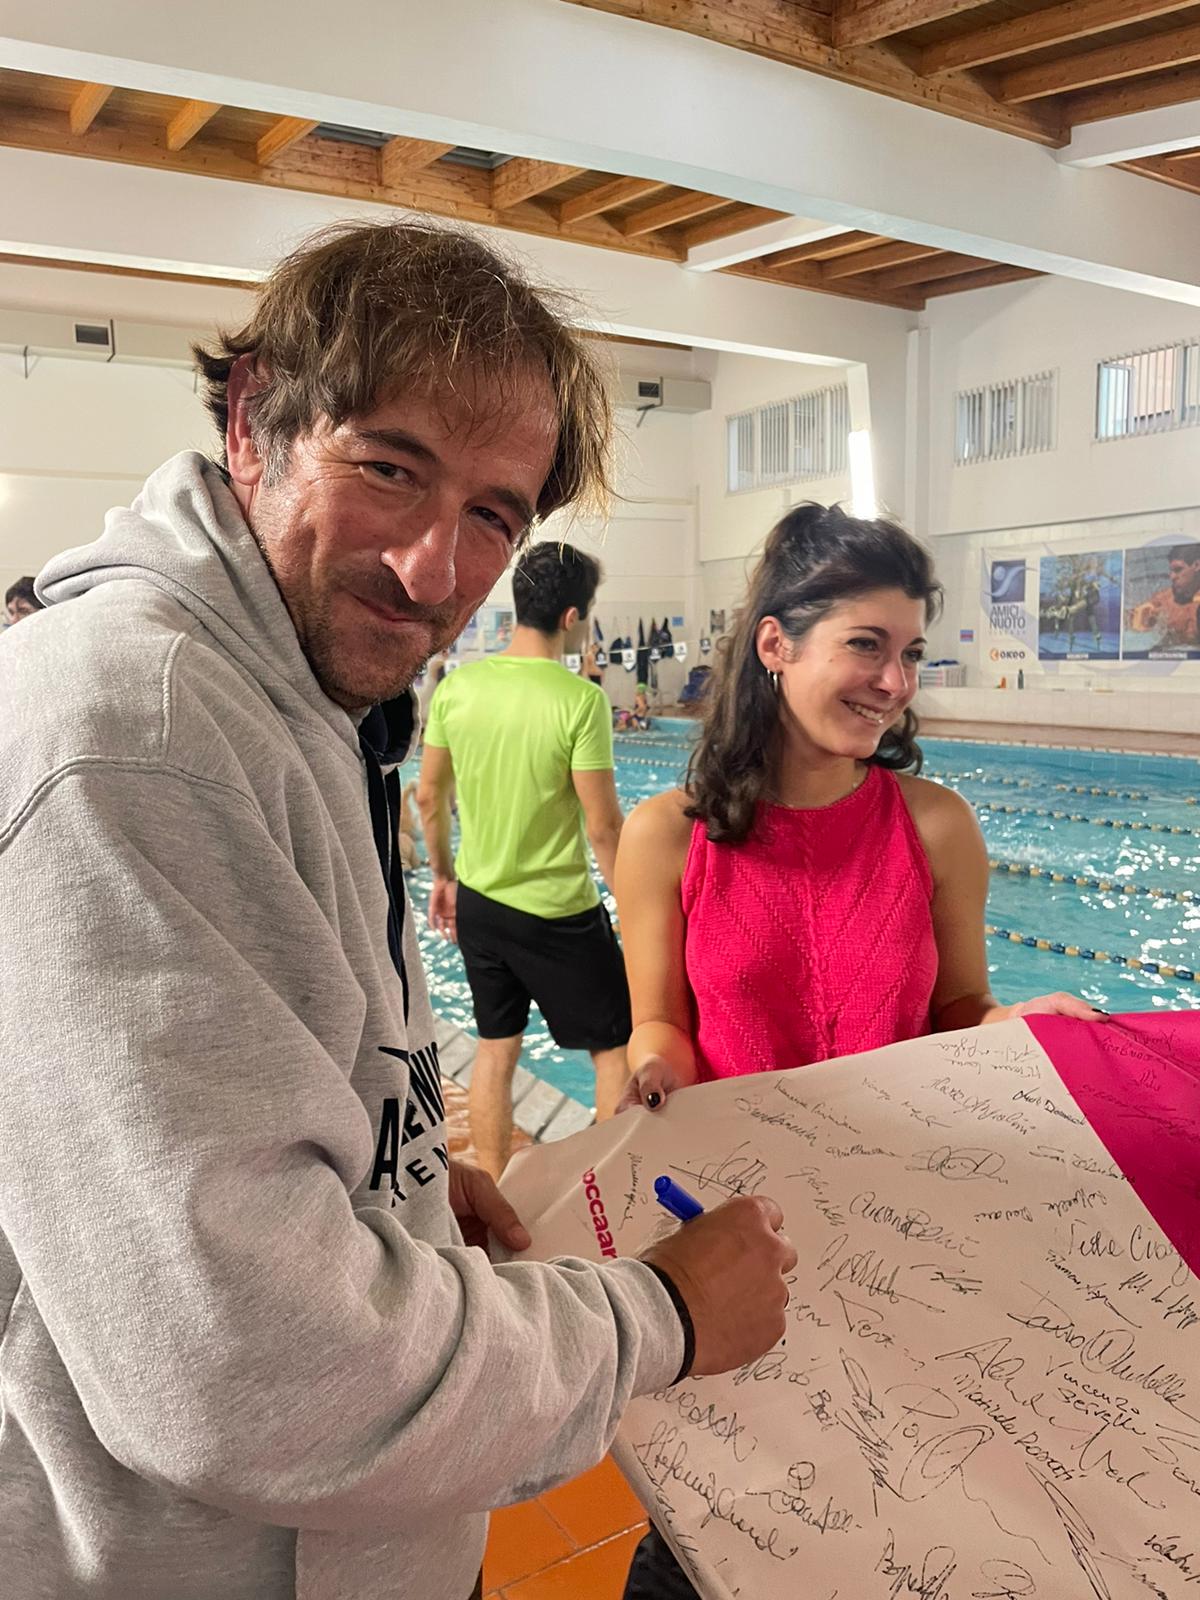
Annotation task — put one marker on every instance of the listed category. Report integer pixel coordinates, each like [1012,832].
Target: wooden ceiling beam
[606,197]
[1171,170]
[784,31]
[865,21]
[87,105]
[1076,19]
[808,276]
[281,136]
[946,264]
[726,226]
[400,158]
[188,121]
[320,166]
[824,249]
[1130,59]
[989,278]
[670,213]
[520,180]
[1122,99]
[896,254]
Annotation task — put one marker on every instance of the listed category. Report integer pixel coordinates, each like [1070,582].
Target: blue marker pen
[676,1200]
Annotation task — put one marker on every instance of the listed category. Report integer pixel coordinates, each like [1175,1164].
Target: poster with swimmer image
[1079,609]
[1162,599]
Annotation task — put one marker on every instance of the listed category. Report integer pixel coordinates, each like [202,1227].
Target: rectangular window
[1149,391]
[790,441]
[1013,418]
[740,434]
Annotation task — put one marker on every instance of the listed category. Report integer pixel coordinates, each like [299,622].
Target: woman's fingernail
[653,1099]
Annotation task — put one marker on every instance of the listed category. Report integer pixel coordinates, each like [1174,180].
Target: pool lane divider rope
[1059,788]
[1075,816]
[1081,952]
[1022,869]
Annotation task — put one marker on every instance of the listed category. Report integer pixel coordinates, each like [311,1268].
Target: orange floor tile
[572,1543]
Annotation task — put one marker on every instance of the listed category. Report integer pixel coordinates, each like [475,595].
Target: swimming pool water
[1154,795]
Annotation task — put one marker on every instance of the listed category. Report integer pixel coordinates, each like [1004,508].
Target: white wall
[1083,494]
[1059,325]
[77,437]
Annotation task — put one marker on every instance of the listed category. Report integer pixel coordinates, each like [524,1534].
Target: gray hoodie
[245,1355]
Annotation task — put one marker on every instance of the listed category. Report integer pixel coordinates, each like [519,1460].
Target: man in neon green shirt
[528,747]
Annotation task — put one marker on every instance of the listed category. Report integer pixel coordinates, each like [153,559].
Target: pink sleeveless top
[813,937]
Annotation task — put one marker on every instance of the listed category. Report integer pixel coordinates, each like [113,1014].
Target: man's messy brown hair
[361,312]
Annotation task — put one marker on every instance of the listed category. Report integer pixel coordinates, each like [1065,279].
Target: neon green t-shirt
[516,728]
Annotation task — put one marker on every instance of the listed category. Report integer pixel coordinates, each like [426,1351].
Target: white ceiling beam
[1141,133]
[742,125]
[785,234]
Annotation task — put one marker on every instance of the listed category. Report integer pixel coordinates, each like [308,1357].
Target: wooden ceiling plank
[1178,48]
[782,31]
[1076,19]
[319,166]
[520,180]
[946,264]
[87,105]
[1172,170]
[896,254]
[188,121]
[725,227]
[824,249]
[607,197]
[808,276]
[670,213]
[281,136]
[1122,99]
[989,278]
[400,157]
[865,21]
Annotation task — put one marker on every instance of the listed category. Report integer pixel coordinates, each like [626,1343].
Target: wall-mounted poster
[1079,615]
[1011,626]
[1162,593]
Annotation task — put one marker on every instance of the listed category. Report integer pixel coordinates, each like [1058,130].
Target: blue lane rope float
[1075,816]
[1023,869]
[1164,969]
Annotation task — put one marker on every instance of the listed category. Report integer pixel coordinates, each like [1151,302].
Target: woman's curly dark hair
[815,557]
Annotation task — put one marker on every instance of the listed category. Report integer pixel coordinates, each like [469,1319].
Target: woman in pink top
[806,896]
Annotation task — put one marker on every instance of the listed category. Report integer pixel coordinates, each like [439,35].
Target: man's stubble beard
[316,632]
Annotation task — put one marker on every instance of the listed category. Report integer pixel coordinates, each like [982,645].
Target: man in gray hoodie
[248,1351]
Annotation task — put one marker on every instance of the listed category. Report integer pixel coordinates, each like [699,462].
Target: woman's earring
[774,677]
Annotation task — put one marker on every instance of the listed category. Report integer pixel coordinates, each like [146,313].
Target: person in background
[589,668]
[806,895]
[406,834]
[641,709]
[21,601]
[519,898]
[435,671]
[251,1350]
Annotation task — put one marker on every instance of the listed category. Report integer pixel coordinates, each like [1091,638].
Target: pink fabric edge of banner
[1136,1078]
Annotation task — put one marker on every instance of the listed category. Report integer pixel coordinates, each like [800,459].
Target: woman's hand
[1053,1005]
[650,1085]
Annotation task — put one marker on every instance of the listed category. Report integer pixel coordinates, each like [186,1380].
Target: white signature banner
[989,1388]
